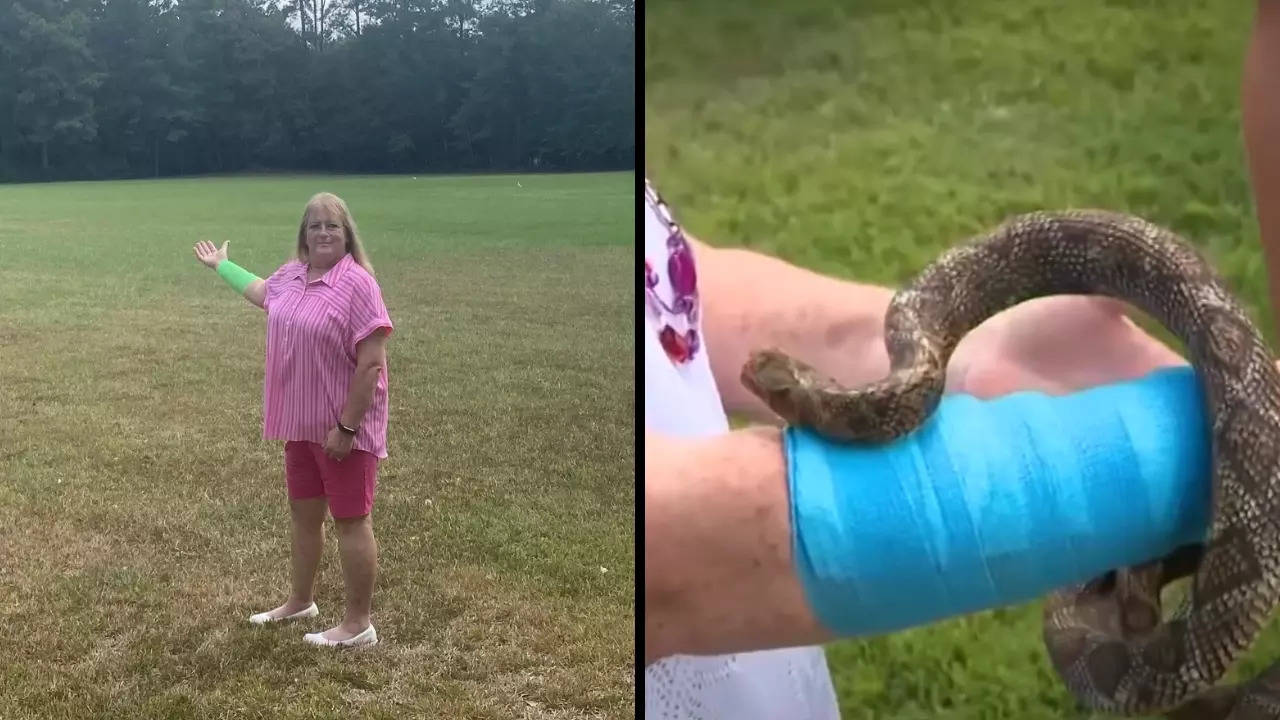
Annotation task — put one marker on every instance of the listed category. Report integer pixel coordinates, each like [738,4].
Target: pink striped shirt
[312,332]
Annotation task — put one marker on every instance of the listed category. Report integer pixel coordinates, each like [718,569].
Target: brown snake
[1107,638]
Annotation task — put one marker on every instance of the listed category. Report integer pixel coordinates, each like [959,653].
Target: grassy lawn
[861,139]
[144,518]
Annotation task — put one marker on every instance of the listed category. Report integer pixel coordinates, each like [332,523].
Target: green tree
[55,77]
[141,108]
[112,88]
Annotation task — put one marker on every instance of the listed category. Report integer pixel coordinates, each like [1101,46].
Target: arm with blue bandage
[768,537]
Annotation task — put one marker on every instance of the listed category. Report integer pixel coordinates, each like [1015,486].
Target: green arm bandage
[236,276]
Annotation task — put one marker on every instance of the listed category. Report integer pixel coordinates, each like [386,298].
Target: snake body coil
[1107,638]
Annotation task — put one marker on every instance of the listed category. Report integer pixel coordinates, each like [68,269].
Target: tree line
[152,88]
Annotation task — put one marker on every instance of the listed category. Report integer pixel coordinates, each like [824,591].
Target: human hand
[210,255]
[337,444]
[1055,345]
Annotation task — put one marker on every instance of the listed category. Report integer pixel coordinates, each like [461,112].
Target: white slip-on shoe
[263,618]
[367,637]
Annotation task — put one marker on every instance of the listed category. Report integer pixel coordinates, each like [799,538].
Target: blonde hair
[335,205]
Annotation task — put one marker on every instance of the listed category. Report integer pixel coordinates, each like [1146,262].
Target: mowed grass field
[860,139]
[144,518]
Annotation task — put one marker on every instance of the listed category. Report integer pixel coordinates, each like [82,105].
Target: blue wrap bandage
[996,502]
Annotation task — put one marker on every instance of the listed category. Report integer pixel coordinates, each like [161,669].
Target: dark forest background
[148,88]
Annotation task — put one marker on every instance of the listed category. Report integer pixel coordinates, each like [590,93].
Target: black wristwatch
[347,430]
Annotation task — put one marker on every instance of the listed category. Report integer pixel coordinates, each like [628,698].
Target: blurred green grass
[861,139]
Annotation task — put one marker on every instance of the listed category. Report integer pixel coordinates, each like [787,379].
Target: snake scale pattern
[1108,639]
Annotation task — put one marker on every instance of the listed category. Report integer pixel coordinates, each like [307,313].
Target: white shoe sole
[367,638]
[264,618]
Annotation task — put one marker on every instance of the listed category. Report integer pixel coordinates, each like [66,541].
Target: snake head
[781,382]
[768,372]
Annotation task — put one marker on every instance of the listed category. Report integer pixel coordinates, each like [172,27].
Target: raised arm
[250,286]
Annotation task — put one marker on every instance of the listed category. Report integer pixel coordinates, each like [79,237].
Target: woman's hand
[337,444]
[1055,345]
[210,255]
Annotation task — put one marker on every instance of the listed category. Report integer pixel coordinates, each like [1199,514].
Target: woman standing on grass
[325,396]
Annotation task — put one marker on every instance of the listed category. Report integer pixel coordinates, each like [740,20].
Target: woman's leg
[308,545]
[350,487]
[307,531]
[306,511]
[359,552]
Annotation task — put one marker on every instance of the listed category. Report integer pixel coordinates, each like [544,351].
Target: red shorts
[348,485]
